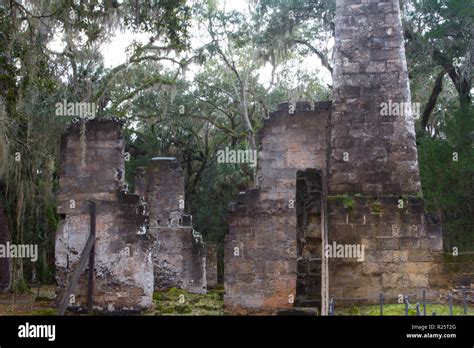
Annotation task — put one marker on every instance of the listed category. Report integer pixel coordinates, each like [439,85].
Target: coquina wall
[92,169]
[179,255]
[261,255]
[358,164]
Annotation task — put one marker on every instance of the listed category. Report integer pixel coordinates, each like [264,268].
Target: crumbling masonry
[341,174]
[179,253]
[144,241]
[92,170]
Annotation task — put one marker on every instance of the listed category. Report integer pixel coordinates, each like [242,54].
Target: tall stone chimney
[373,150]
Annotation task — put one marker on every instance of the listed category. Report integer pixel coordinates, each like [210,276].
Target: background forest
[202,76]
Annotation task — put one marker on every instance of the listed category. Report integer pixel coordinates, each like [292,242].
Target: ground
[172,302]
[39,301]
[180,302]
[399,309]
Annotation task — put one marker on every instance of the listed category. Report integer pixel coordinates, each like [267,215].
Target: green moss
[169,310]
[376,207]
[44,311]
[176,291]
[167,303]
[157,296]
[348,202]
[183,309]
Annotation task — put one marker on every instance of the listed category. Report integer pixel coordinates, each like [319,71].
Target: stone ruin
[336,174]
[92,170]
[144,241]
[330,174]
[261,248]
[179,254]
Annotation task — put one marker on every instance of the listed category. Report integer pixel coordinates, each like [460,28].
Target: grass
[399,309]
[179,302]
[45,311]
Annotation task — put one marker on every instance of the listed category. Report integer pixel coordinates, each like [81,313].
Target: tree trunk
[437,88]
[5,262]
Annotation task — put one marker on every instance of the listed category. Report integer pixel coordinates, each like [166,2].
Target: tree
[33,76]
[443,30]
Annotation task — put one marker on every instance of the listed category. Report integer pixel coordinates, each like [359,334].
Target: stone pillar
[371,154]
[179,255]
[93,170]
[373,201]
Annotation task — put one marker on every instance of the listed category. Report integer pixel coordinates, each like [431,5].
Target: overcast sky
[114,52]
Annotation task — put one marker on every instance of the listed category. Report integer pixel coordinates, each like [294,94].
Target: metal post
[417,309]
[424,302]
[450,304]
[406,305]
[90,288]
[464,303]
[381,304]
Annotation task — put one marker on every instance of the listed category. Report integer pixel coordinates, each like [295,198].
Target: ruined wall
[456,274]
[374,201]
[165,191]
[211,265]
[403,249]
[93,170]
[260,250]
[370,154]
[5,263]
[403,246]
[179,254]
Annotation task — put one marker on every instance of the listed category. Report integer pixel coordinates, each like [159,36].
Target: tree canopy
[201,76]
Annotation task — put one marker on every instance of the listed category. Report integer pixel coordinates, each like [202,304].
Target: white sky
[114,52]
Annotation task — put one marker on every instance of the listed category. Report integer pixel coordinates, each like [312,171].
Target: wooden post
[87,253]
[77,273]
[90,289]
[324,260]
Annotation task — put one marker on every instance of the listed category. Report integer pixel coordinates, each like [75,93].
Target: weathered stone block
[123,267]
